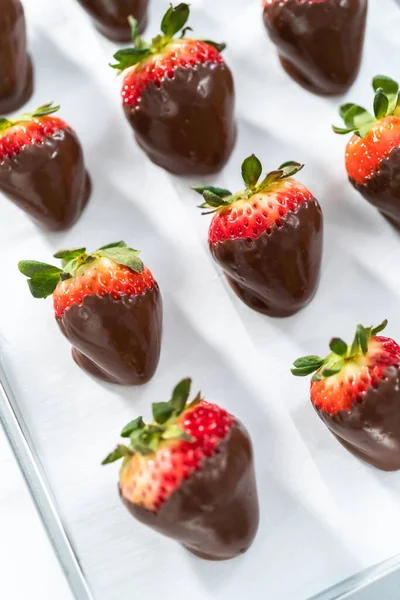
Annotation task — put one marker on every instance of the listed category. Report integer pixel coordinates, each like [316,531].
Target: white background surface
[324,514]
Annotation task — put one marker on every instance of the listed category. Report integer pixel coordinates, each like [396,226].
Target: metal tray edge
[23,448]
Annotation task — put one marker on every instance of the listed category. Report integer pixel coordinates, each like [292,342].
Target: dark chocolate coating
[214,514]
[16,73]
[118,341]
[48,180]
[278,273]
[371,430]
[320,43]
[382,190]
[111,16]
[187,124]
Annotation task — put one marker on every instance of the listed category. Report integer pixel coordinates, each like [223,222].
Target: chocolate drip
[186,125]
[118,341]
[215,513]
[16,73]
[371,430]
[278,273]
[382,190]
[320,43]
[111,16]
[48,180]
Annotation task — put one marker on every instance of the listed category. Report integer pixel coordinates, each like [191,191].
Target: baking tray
[324,515]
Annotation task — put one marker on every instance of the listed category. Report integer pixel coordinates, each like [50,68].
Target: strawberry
[373,153]
[320,42]
[108,305]
[190,475]
[16,73]
[111,17]
[178,96]
[42,168]
[356,392]
[267,238]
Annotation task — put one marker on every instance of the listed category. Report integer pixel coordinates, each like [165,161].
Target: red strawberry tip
[173,22]
[339,356]
[44,278]
[42,111]
[146,438]
[358,120]
[218,198]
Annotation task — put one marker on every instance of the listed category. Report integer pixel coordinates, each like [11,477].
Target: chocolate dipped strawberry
[178,96]
[320,42]
[108,305]
[42,168]
[16,74]
[356,392]
[111,16]
[190,476]
[373,153]
[267,238]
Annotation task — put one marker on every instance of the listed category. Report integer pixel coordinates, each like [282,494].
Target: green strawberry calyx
[217,198]
[43,278]
[145,438]
[340,355]
[359,121]
[173,22]
[42,111]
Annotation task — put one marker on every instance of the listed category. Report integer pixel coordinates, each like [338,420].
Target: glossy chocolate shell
[118,341]
[320,44]
[382,190]
[186,125]
[16,76]
[48,180]
[214,514]
[371,430]
[111,16]
[278,273]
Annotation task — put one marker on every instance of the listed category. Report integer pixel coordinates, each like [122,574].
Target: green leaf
[343,109]
[124,256]
[176,433]
[46,109]
[174,19]
[390,89]
[162,411]
[180,395]
[269,179]
[220,192]
[134,29]
[358,117]
[308,361]
[31,267]
[113,456]
[338,346]
[379,328]
[331,372]
[5,124]
[251,171]
[290,168]
[71,266]
[44,283]
[381,104]
[303,371]
[70,253]
[220,46]
[132,426]
[119,244]
[363,339]
[128,57]
[214,200]
[342,131]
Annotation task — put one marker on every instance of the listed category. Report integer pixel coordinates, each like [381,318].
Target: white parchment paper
[324,514]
